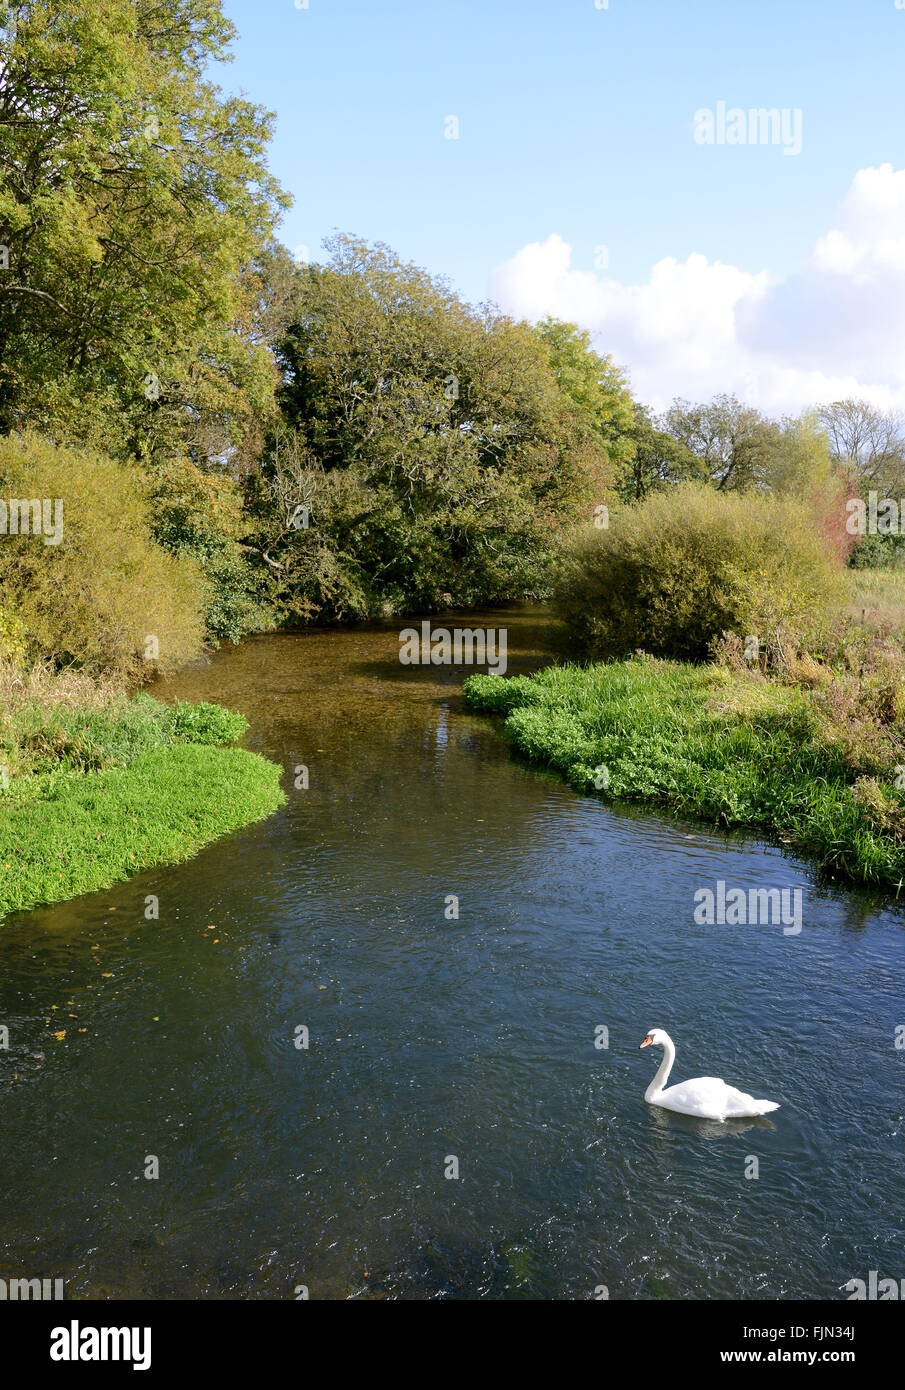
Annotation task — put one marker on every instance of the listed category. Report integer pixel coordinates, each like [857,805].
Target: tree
[867,441]
[438,455]
[868,445]
[134,198]
[597,389]
[733,441]
[801,467]
[658,459]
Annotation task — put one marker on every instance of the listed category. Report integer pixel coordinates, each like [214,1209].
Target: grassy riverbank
[99,786]
[813,766]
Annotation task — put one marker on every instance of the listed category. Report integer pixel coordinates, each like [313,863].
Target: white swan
[706,1096]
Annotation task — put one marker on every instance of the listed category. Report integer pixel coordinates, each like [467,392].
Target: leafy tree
[431,442]
[142,285]
[867,441]
[658,459]
[133,196]
[801,466]
[733,441]
[597,389]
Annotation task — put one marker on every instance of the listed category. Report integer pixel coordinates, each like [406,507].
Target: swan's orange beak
[646,1042]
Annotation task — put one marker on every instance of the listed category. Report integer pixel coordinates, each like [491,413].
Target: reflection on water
[282,1166]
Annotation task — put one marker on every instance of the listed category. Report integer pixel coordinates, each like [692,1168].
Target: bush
[684,566]
[878,552]
[95,597]
[12,638]
[198,515]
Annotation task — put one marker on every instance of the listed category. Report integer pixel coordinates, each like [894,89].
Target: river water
[430,1038]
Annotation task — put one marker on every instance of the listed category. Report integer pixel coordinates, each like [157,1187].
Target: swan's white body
[705,1096]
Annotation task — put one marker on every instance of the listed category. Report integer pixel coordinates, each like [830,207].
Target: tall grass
[878,597]
[68,721]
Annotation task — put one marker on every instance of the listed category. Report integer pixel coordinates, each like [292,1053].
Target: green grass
[110,791]
[704,743]
[39,735]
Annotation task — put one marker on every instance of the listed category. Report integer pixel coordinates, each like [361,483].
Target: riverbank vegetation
[815,761]
[203,436]
[97,785]
[297,442]
[736,670]
[686,565]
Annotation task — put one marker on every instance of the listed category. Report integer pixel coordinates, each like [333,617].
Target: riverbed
[436,961]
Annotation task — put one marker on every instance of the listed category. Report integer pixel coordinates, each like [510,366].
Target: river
[285,1168]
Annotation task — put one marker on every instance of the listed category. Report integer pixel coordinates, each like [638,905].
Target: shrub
[687,565]
[12,638]
[198,515]
[94,598]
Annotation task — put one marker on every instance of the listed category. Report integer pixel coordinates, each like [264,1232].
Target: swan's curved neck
[659,1081]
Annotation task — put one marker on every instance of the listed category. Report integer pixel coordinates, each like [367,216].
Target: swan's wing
[710,1098]
[702,1095]
[740,1103]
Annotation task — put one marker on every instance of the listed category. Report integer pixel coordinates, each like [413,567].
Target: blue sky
[575,122]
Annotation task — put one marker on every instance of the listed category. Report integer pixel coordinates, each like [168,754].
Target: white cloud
[697,327]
